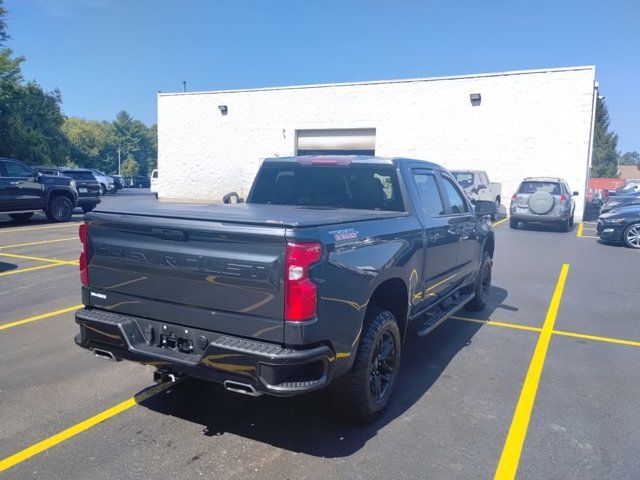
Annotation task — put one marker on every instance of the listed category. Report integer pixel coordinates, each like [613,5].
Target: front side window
[428,192]
[456,200]
[17,170]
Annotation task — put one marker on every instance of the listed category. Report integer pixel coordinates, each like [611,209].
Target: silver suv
[543,200]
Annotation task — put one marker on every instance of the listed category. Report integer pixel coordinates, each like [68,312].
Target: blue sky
[110,55]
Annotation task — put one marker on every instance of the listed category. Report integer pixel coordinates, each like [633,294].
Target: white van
[154,182]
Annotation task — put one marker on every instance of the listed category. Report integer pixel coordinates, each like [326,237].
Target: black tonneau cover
[253,214]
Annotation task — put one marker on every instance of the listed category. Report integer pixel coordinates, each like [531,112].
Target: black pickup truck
[24,191]
[315,281]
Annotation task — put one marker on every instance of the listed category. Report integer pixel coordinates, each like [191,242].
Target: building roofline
[381,82]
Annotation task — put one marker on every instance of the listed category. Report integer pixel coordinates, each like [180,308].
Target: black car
[87,186]
[24,191]
[118,182]
[141,181]
[620,201]
[621,225]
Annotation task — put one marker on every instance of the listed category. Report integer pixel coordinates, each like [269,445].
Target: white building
[511,124]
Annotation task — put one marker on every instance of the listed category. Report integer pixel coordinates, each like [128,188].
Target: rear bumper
[88,201]
[523,217]
[267,367]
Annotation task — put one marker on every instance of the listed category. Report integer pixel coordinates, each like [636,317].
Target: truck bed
[253,214]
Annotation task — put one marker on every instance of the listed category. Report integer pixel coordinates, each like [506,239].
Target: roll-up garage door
[347,141]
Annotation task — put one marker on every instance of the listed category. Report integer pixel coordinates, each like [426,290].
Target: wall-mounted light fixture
[223,109]
[475,98]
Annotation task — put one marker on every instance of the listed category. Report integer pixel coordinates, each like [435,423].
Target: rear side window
[78,175]
[363,187]
[532,187]
[428,192]
[456,200]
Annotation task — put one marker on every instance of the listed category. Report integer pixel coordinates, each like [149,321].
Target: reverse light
[84,260]
[300,294]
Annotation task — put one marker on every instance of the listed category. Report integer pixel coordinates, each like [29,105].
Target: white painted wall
[529,123]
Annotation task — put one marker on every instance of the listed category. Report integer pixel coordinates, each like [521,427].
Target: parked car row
[57,191]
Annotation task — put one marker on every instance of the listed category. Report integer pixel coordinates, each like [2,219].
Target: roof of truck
[345,160]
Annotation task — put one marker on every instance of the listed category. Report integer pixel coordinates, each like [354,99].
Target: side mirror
[232,197]
[481,186]
[485,207]
[38,176]
[575,194]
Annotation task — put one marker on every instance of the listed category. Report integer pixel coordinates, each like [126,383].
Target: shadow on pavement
[6,267]
[307,423]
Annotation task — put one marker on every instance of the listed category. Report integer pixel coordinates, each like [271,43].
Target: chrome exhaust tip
[243,388]
[98,352]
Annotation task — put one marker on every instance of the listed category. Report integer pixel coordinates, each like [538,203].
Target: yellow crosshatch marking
[40,317]
[39,259]
[41,242]
[45,227]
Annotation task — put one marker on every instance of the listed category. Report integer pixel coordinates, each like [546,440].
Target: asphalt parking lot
[544,382]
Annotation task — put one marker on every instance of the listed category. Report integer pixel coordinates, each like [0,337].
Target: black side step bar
[435,319]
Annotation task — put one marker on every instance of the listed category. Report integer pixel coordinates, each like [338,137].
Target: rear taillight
[563,198]
[514,197]
[84,260]
[300,295]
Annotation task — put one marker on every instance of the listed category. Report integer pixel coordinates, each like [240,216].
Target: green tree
[30,118]
[130,167]
[90,143]
[605,143]
[630,158]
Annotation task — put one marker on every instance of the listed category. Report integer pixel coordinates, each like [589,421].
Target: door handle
[14,183]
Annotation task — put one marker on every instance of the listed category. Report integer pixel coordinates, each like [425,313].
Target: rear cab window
[357,186]
[464,179]
[553,188]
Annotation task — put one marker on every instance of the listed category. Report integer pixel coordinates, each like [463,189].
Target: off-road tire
[103,190]
[352,393]
[482,287]
[513,223]
[566,226]
[60,209]
[21,217]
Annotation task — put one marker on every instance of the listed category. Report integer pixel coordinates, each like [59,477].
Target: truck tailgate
[200,274]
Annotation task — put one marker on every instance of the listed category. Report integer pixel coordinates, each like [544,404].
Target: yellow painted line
[597,338]
[42,316]
[510,458]
[39,259]
[579,230]
[563,333]
[46,227]
[499,222]
[42,242]
[496,323]
[78,428]
[31,269]
[590,236]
